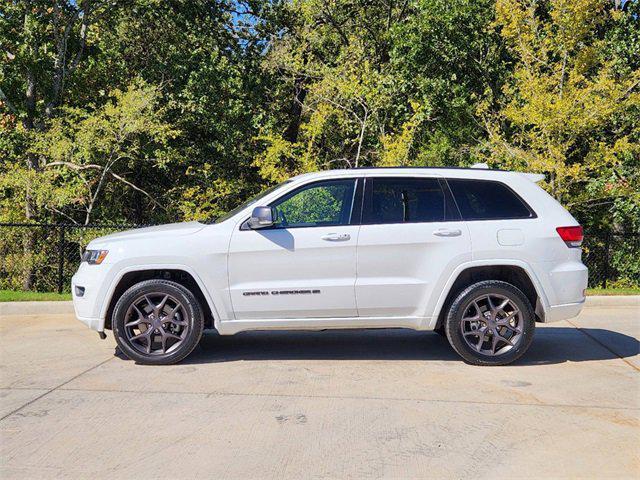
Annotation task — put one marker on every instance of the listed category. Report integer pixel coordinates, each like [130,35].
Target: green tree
[43,44]
[448,60]
[382,83]
[94,151]
[203,59]
[571,108]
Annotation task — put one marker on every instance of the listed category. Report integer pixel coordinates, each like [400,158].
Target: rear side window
[404,200]
[487,200]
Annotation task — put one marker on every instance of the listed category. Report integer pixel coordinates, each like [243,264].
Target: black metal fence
[44,257]
[613,260]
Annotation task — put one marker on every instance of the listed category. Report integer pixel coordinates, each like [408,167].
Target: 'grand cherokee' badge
[280,292]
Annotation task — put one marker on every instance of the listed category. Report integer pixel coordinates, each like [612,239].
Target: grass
[614,291]
[14,296]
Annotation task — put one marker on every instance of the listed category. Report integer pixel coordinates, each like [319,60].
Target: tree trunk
[361,137]
[32,164]
[300,93]
[138,199]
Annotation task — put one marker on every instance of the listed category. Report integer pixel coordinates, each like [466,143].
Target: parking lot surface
[334,404]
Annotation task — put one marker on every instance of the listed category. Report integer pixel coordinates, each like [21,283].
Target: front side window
[487,200]
[404,200]
[318,204]
[249,202]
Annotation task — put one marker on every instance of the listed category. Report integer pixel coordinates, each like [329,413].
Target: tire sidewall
[461,303]
[192,309]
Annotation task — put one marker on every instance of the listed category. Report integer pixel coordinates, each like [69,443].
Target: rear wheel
[490,323]
[157,322]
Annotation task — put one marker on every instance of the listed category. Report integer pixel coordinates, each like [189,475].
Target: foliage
[90,151]
[571,108]
[381,83]
[150,111]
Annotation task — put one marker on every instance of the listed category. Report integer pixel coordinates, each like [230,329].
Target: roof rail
[425,168]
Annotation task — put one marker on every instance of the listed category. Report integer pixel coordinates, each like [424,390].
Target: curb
[613,301]
[60,308]
[36,308]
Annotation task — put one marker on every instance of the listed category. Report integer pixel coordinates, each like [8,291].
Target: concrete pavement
[335,404]
[60,307]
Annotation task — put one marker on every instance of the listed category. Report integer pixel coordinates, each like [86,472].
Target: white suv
[476,255]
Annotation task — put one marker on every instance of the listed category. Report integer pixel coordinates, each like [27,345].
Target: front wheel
[490,323]
[157,322]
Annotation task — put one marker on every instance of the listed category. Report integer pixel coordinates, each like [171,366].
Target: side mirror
[262,217]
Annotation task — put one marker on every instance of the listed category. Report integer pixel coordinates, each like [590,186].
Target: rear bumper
[568,284]
[563,312]
[564,286]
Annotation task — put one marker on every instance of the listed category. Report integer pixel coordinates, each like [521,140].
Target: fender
[158,266]
[486,263]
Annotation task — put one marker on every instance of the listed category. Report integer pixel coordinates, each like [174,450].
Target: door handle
[447,232]
[336,237]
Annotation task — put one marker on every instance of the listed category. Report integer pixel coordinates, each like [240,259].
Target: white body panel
[399,266]
[391,275]
[266,266]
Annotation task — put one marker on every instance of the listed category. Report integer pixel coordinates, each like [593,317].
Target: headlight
[94,257]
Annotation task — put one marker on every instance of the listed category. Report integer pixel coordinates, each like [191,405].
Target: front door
[305,265]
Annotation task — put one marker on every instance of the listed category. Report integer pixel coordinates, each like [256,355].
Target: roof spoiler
[534,177]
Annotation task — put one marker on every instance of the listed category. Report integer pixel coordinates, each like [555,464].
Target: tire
[483,335]
[157,322]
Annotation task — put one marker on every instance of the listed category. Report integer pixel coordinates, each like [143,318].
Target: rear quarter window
[488,200]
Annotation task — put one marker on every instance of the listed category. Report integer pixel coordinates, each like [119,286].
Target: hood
[163,231]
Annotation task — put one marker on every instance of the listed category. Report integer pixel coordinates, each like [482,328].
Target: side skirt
[231,327]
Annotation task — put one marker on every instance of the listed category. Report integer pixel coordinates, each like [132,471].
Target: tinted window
[317,204]
[400,200]
[487,200]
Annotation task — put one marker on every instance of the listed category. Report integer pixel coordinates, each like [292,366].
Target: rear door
[411,234]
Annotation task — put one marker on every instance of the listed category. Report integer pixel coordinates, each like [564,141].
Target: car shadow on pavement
[551,345]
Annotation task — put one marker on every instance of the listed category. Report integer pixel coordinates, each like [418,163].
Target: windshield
[251,201]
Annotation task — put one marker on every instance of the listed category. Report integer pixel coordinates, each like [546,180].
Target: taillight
[572,236]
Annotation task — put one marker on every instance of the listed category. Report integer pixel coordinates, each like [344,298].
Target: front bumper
[96,324]
[94,279]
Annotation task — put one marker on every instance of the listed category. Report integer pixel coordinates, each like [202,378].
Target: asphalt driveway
[346,404]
